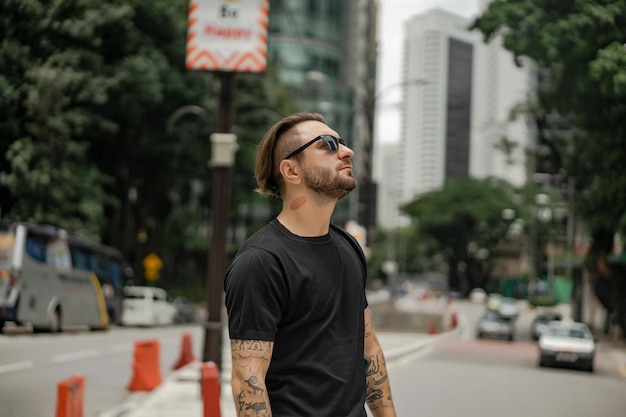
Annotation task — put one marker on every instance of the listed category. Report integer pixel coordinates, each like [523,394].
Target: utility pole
[224,145]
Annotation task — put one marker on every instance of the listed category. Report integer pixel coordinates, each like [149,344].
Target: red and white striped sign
[227,35]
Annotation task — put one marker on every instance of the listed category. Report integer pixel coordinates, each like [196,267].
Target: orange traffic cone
[70,394]
[432,326]
[186,352]
[453,320]
[146,367]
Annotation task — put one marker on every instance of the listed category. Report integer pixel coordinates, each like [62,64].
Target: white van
[147,306]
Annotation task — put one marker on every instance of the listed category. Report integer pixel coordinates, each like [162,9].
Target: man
[301,335]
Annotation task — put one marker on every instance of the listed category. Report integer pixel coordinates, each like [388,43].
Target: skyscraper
[455,121]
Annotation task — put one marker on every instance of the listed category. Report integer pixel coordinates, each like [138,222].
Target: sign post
[226,37]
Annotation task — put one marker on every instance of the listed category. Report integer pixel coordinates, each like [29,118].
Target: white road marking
[17,366]
[410,357]
[73,356]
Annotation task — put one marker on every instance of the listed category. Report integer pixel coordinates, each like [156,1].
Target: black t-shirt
[307,295]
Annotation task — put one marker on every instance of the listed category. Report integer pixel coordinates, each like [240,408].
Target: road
[31,365]
[463,376]
[492,378]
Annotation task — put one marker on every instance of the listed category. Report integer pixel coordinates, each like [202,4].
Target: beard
[325,184]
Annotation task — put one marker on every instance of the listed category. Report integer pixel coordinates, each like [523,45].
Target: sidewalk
[179,395]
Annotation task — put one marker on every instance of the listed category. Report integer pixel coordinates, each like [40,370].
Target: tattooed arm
[251,359]
[378,390]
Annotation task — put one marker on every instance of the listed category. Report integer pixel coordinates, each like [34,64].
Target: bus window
[80,258]
[36,247]
[115,273]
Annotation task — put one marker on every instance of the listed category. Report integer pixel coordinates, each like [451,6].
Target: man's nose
[345,151]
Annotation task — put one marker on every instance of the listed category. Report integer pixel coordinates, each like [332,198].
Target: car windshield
[493,317]
[548,318]
[575,333]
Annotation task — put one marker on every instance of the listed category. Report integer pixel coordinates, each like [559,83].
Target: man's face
[327,173]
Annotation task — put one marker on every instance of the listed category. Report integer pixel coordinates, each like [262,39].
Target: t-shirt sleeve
[255,295]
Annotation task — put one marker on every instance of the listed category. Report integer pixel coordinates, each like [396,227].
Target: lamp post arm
[189,109]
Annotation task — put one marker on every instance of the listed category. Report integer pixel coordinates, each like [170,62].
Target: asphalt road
[462,376]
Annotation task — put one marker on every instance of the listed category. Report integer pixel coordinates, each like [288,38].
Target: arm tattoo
[378,390]
[251,360]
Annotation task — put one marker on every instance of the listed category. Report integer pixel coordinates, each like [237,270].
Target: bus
[51,279]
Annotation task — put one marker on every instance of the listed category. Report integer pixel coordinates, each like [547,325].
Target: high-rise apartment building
[458,94]
[325,52]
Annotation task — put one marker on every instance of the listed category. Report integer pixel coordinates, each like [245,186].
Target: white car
[567,343]
[494,325]
[147,306]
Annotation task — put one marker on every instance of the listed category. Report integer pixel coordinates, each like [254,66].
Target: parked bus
[50,278]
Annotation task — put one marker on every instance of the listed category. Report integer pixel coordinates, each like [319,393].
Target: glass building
[325,52]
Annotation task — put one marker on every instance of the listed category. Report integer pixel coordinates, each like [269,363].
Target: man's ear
[290,171]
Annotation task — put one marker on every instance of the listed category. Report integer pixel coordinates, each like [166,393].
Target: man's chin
[349,187]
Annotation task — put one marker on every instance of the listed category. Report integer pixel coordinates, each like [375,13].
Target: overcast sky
[391,17]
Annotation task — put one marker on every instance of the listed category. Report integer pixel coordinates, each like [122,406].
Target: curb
[189,374]
[398,353]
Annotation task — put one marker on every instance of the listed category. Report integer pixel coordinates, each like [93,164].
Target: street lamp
[541,213]
[367,187]
[223,148]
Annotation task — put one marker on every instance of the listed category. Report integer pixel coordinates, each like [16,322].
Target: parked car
[509,307]
[494,325]
[185,311]
[540,322]
[567,344]
[147,306]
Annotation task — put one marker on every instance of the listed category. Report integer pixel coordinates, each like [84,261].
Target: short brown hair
[272,151]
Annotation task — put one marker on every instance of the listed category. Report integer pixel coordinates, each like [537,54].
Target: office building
[457,98]
[325,52]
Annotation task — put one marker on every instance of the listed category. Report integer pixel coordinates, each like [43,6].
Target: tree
[86,89]
[50,179]
[579,49]
[465,221]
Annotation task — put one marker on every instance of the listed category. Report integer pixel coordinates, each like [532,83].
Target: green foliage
[86,90]
[464,222]
[579,47]
[462,211]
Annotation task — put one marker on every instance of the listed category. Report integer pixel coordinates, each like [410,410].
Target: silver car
[494,325]
[567,344]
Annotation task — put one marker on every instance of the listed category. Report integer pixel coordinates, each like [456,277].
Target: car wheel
[542,363]
[55,321]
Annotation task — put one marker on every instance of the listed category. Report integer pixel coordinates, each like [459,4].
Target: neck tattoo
[297,203]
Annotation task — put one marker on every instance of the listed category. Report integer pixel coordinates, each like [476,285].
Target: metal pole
[220,199]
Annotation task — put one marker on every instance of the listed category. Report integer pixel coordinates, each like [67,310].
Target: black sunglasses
[332,144]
